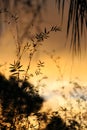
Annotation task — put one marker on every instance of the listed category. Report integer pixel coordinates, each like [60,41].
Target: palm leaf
[77,20]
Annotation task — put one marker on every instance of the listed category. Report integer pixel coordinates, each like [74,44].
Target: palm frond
[61,5]
[77,20]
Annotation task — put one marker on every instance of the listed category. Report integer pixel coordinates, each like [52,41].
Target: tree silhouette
[56,123]
[77,20]
[16,101]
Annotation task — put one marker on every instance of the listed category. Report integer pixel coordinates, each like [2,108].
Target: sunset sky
[50,78]
[72,67]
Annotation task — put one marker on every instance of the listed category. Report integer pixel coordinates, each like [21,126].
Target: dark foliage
[57,123]
[77,20]
[16,100]
[74,125]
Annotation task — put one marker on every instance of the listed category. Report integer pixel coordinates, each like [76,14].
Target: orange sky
[71,68]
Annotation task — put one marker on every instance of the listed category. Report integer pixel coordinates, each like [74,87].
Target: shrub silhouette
[16,101]
[57,123]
